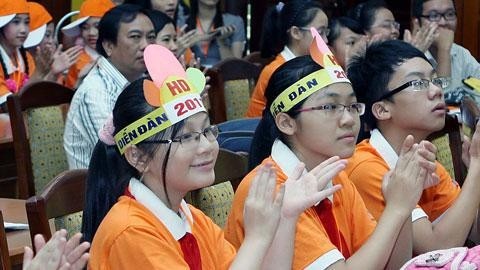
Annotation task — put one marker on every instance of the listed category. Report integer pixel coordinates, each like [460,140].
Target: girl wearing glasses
[312,116]
[378,23]
[158,147]
[285,36]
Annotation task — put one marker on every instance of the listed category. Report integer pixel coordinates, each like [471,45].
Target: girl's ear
[135,158]
[285,123]
[296,33]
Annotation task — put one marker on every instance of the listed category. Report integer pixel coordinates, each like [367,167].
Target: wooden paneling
[57,8]
[468,25]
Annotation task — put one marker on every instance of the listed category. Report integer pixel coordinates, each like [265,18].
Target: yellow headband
[331,73]
[175,92]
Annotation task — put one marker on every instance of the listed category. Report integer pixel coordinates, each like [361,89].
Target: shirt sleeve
[239,34]
[144,248]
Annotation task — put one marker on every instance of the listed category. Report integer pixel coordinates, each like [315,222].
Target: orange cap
[39,18]
[8,10]
[89,8]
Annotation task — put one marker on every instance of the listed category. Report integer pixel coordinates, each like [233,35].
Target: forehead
[168,29]
[411,69]
[438,5]
[336,90]
[319,20]
[140,23]
[345,32]
[383,14]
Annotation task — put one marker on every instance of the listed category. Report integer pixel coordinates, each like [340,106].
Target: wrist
[399,210]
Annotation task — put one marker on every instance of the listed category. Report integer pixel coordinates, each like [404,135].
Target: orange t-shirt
[17,76]
[311,239]
[72,76]
[257,101]
[366,169]
[131,237]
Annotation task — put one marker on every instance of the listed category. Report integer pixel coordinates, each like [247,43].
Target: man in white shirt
[449,59]
[124,32]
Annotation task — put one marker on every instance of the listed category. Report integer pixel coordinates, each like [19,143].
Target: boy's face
[438,8]
[417,110]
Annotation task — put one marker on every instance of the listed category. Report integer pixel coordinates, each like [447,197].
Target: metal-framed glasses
[322,31]
[334,110]
[449,15]
[389,25]
[191,140]
[418,85]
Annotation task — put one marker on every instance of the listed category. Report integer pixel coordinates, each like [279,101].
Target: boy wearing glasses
[403,96]
[451,60]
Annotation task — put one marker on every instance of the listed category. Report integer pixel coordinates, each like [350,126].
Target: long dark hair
[192,17]
[109,172]
[278,20]
[267,131]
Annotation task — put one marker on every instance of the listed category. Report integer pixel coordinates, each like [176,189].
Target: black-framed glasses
[191,139]
[435,16]
[418,85]
[322,31]
[335,109]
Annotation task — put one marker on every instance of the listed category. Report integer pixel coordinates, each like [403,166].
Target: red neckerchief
[188,243]
[325,212]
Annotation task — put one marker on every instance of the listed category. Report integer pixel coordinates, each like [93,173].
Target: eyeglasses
[334,110]
[191,140]
[389,25]
[322,31]
[449,15]
[418,85]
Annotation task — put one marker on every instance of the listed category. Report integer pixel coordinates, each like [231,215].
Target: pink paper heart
[161,63]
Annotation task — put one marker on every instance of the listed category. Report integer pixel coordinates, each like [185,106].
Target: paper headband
[331,73]
[175,92]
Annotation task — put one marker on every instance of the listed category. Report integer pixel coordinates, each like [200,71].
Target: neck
[310,159]
[174,198]
[396,136]
[206,12]
[128,74]
[296,50]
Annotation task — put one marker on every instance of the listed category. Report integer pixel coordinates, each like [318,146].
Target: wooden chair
[64,195]
[232,81]
[38,118]
[216,200]
[449,148]
[470,115]
[257,59]
[5,257]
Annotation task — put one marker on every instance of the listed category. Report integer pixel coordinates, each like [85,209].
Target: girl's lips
[203,164]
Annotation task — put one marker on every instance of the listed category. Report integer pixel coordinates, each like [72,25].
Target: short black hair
[371,72]
[364,13]
[159,19]
[336,23]
[110,23]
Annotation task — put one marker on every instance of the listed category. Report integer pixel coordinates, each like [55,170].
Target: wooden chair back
[63,196]
[216,200]
[470,114]
[232,81]
[5,257]
[449,148]
[37,115]
[257,59]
